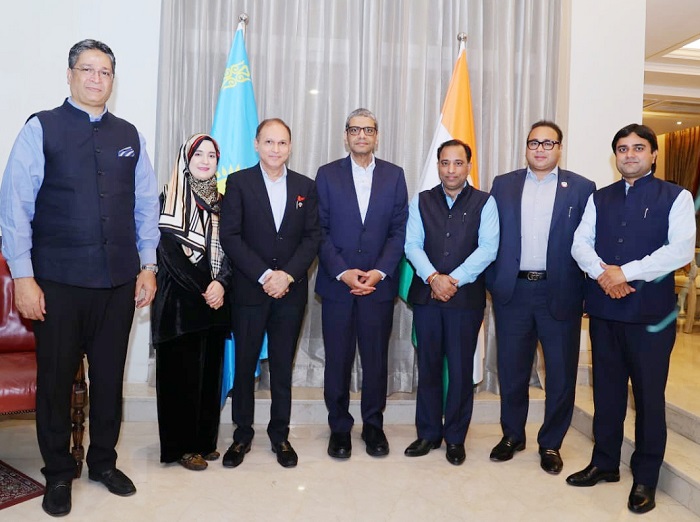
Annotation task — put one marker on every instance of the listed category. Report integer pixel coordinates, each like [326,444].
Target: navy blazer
[564,278]
[251,241]
[346,242]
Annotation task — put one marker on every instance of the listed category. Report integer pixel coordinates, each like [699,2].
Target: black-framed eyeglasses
[546,144]
[89,71]
[354,131]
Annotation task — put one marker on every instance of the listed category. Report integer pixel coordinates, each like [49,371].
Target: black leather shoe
[286,456]
[235,453]
[641,498]
[455,454]
[550,461]
[591,475]
[420,447]
[340,445]
[377,445]
[115,480]
[505,449]
[57,498]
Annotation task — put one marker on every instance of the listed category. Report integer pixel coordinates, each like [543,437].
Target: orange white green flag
[456,122]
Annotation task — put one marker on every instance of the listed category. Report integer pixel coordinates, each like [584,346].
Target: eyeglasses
[355,131]
[546,144]
[89,71]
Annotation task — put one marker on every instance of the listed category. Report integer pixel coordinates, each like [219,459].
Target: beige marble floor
[394,488]
[683,388]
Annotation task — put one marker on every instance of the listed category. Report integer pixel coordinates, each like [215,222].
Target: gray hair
[366,113]
[88,45]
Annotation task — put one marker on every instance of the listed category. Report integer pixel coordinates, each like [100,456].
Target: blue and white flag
[235,123]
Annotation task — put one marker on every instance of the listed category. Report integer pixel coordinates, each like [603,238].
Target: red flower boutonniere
[300,201]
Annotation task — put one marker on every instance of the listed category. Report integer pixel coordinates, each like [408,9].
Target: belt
[532,275]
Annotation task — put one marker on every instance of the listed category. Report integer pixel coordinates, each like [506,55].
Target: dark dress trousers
[358,322]
[632,337]
[548,310]
[253,244]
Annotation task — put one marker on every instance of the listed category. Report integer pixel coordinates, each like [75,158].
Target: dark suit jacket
[250,240]
[348,243]
[564,277]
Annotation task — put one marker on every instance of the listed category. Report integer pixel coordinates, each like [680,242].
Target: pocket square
[126,152]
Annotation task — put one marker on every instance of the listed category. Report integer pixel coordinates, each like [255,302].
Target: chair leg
[691,305]
[78,403]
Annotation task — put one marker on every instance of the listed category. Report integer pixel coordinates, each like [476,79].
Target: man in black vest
[633,235]
[79,219]
[451,237]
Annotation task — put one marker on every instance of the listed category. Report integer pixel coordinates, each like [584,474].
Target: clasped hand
[613,282]
[443,287]
[276,284]
[361,282]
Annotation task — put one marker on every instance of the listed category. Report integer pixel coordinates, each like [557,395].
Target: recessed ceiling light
[679,123]
[313,91]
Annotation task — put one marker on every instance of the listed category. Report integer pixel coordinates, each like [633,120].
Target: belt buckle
[533,276]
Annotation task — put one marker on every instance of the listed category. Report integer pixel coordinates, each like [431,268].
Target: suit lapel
[263,199]
[377,186]
[561,198]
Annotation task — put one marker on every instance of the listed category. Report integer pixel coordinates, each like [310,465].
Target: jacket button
[447,235]
[620,240]
[446,254]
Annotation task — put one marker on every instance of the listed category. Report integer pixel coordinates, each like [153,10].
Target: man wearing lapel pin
[537,291]
[363,209]
[633,235]
[270,232]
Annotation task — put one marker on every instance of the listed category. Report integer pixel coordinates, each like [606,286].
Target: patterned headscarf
[197,232]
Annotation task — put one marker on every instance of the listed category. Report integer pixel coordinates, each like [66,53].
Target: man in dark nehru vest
[79,219]
[451,237]
[633,235]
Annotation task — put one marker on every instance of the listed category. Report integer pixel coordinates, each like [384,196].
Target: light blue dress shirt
[474,264]
[22,180]
[536,207]
[678,251]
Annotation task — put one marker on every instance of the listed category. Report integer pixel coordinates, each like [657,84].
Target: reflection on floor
[394,488]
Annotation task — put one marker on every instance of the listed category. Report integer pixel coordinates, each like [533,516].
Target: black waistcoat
[83,232]
[451,235]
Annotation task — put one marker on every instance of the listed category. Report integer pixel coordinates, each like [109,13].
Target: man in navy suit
[270,232]
[362,203]
[537,291]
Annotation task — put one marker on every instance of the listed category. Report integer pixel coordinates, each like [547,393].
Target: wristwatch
[152,267]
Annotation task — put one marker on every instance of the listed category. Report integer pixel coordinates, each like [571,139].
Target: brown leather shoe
[193,462]
[214,455]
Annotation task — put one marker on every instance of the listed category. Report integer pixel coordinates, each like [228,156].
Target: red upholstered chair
[18,367]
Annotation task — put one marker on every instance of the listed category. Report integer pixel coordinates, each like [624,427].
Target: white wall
[601,81]
[35,38]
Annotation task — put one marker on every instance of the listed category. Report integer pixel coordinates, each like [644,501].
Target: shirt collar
[552,175]
[267,177]
[359,168]
[92,118]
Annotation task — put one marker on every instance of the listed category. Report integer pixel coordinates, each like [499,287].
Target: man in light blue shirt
[451,237]
[79,219]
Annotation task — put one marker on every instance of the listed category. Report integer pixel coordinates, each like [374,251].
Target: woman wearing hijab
[190,315]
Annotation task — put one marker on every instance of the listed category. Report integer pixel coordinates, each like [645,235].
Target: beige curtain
[683,157]
[314,61]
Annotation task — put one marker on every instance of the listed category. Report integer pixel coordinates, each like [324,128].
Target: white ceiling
[671,84]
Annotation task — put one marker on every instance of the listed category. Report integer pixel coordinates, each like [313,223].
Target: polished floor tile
[394,488]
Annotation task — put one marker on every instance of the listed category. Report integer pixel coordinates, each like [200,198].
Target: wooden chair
[687,290]
[18,368]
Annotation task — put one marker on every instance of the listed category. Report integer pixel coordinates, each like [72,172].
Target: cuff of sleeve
[21,268]
[383,274]
[340,275]
[631,270]
[148,256]
[261,279]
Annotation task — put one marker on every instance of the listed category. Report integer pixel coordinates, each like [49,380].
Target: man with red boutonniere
[270,232]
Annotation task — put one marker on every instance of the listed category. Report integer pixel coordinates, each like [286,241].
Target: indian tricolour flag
[456,122]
